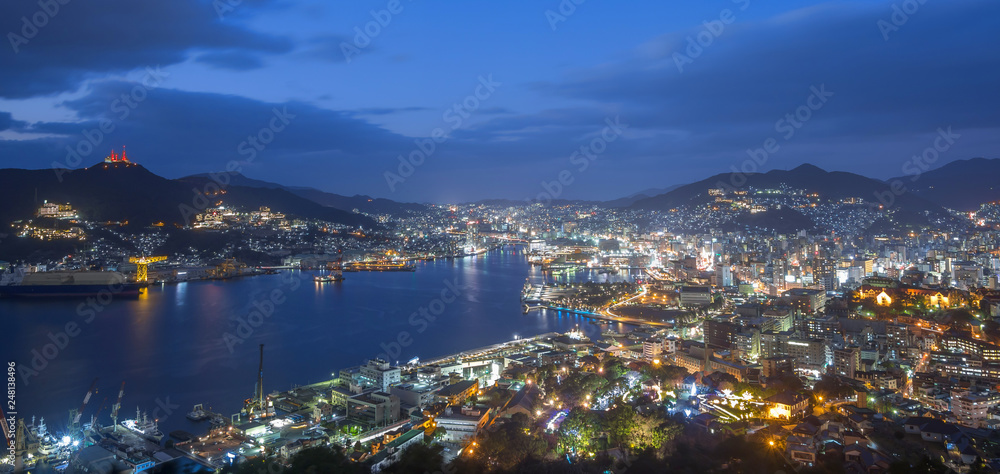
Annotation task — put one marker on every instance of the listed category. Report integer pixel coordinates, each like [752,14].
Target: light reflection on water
[170,341]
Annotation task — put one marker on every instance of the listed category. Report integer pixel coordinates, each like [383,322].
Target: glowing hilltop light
[115,158]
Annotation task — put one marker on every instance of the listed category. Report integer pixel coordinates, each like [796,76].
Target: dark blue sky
[353,104]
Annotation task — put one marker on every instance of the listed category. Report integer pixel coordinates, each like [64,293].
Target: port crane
[74,423]
[4,426]
[256,407]
[142,266]
[93,419]
[117,406]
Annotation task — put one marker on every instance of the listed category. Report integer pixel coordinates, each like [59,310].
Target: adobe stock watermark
[582,158]
[917,164]
[786,127]
[249,148]
[363,35]
[421,319]
[263,309]
[225,7]
[711,29]
[30,27]
[43,355]
[455,117]
[163,410]
[120,108]
[564,10]
[901,14]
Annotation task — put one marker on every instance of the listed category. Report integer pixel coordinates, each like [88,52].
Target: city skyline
[397,236]
[534,84]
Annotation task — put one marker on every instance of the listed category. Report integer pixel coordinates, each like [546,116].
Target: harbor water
[197,342]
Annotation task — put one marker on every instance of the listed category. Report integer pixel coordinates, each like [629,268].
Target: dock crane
[337,269]
[74,424]
[93,418]
[256,407]
[117,406]
[142,266]
[4,426]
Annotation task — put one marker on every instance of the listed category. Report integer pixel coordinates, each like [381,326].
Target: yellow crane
[142,266]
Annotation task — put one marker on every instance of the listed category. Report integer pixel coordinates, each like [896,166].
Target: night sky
[199,77]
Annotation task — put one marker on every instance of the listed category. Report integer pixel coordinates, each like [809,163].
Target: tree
[322,460]
[506,447]
[418,458]
[831,387]
[613,369]
[621,422]
[653,432]
[578,430]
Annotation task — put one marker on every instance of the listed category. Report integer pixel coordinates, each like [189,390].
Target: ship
[336,272]
[328,278]
[198,413]
[66,283]
[144,427]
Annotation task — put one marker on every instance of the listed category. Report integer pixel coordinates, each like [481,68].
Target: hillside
[134,194]
[961,185]
[831,186]
[360,202]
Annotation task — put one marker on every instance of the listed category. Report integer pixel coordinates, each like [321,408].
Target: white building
[972,409]
[379,374]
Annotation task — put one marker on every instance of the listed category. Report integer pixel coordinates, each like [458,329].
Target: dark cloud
[176,133]
[235,60]
[330,48]
[938,68]
[91,39]
[7,122]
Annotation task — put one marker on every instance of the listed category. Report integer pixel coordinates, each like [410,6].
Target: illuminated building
[379,374]
[58,211]
[883,299]
[696,295]
[967,345]
[847,361]
[373,409]
[463,425]
[808,353]
[787,405]
[806,300]
[720,334]
[972,409]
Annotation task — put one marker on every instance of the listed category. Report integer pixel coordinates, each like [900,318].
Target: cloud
[234,60]
[178,133]
[94,39]
[936,68]
[7,122]
[329,48]
[389,110]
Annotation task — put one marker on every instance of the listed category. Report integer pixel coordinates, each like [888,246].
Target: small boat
[328,278]
[197,414]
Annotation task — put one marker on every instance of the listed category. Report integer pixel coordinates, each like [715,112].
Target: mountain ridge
[130,192]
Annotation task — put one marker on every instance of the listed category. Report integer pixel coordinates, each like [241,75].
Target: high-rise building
[847,361]
[720,334]
[379,374]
